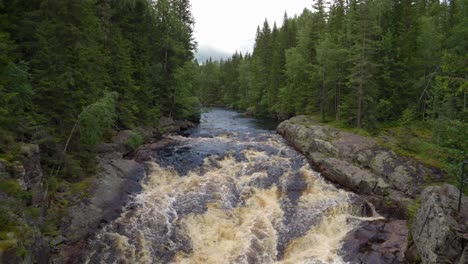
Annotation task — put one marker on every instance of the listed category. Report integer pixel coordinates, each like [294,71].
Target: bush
[134,141]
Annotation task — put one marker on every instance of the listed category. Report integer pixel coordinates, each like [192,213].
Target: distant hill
[204,53]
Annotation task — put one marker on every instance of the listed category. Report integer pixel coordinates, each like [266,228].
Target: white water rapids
[230,193]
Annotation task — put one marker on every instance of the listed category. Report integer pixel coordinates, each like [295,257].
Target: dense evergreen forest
[369,65]
[73,71]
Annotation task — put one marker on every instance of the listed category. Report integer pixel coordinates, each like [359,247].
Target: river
[231,192]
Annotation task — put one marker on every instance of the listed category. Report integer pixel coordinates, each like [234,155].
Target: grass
[412,209]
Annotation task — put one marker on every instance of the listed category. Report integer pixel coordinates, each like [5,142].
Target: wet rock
[184,124]
[441,233]
[377,242]
[147,152]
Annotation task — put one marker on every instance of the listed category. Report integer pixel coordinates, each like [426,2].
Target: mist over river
[231,192]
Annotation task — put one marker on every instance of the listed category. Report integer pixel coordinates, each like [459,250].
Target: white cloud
[230,25]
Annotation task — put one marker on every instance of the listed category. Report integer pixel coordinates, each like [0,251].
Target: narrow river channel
[231,192]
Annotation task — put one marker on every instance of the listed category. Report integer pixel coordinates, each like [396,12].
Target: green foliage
[12,188]
[134,141]
[97,118]
[412,209]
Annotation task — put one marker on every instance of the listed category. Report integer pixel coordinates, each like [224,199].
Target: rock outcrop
[359,163]
[111,189]
[378,242]
[439,232]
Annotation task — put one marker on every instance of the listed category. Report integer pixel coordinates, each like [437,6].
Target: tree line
[360,61]
[363,63]
[71,71]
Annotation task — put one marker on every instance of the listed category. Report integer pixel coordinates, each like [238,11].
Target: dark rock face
[441,233]
[378,242]
[33,177]
[110,192]
[358,163]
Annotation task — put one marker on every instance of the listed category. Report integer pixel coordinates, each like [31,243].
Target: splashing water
[230,193]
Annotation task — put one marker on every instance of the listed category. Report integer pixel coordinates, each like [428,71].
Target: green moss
[50,227]
[7,244]
[386,191]
[162,130]
[79,190]
[32,213]
[412,209]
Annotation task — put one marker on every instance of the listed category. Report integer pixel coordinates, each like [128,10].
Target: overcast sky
[230,25]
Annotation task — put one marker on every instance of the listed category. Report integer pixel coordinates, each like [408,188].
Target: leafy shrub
[134,141]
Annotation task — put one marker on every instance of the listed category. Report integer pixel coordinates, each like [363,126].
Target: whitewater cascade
[229,193]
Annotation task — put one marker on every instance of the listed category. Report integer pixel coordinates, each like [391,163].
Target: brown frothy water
[243,196]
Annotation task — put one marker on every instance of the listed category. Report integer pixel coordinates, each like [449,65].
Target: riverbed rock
[377,242]
[439,232]
[356,162]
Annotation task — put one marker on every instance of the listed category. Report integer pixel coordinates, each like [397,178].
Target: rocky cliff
[360,164]
[439,231]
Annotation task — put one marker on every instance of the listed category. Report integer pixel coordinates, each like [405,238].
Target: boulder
[349,175]
[109,150]
[439,232]
[121,140]
[378,242]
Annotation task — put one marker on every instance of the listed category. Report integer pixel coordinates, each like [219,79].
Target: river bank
[398,187]
[65,219]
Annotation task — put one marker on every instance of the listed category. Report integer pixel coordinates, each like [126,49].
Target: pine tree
[362,72]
